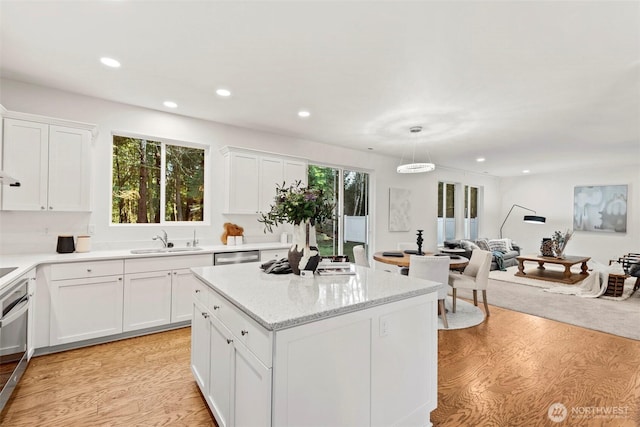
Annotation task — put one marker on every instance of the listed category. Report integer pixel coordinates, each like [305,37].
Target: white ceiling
[528,85]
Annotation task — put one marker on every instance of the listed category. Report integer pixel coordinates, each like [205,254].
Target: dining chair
[436,269]
[475,277]
[360,256]
[401,246]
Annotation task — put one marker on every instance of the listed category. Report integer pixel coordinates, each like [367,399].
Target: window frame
[163,143]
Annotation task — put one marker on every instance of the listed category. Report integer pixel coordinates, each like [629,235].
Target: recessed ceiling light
[223,92]
[480,159]
[110,62]
[170,104]
[526,171]
[304,113]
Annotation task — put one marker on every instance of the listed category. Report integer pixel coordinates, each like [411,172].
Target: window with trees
[155,182]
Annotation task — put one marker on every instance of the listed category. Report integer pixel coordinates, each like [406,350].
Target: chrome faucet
[195,240]
[164,240]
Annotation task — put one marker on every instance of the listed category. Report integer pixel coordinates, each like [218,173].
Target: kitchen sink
[164,250]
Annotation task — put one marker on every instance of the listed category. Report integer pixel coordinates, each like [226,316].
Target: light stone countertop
[25,262]
[283,301]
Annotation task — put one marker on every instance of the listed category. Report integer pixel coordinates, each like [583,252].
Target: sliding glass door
[350,192]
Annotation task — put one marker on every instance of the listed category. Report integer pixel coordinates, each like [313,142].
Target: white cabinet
[183,284]
[147,300]
[250,178]
[385,369]
[220,370]
[200,327]
[52,164]
[234,372]
[158,291]
[86,300]
[241,183]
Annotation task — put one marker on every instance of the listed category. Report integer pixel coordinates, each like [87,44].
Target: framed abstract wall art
[399,209]
[600,208]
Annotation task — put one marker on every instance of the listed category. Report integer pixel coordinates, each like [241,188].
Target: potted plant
[560,241]
[303,207]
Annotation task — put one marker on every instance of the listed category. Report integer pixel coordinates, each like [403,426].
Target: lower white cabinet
[235,383]
[159,290]
[147,300]
[377,366]
[183,284]
[85,308]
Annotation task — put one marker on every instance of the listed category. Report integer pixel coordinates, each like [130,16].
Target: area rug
[466,315]
[509,276]
[620,317]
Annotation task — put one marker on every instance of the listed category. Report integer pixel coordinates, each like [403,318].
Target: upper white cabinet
[250,178]
[52,163]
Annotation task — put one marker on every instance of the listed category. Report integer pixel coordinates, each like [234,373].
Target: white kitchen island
[281,350]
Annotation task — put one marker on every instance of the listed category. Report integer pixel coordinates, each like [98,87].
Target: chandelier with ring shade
[415,167]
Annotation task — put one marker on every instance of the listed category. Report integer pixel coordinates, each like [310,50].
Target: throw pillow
[498,245]
[468,245]
[483,244]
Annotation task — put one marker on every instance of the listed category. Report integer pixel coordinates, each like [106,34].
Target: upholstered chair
[401,246]
[475,277]
[436,269]
[360,256]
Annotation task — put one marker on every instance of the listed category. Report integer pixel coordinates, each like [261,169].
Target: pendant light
[415,167]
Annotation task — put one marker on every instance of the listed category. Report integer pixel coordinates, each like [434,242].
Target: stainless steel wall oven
[14,303]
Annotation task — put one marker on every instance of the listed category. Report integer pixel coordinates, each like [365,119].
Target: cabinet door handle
[88,270]
[51,207]
[175,272]
[229,341]
[42,207]
[197,291]
[120,278]
[205,315]
[215,307]
[243,332]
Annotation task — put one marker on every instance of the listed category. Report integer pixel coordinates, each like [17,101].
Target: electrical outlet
[91,229]
[384,326]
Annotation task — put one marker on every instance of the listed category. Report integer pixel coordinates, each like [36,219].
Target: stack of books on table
[335,269]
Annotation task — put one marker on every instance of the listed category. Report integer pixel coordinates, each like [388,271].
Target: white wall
[551,195]
[23,232]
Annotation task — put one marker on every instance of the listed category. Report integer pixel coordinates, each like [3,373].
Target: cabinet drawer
[201,293]
[245,330]
[80,270]
[158,263]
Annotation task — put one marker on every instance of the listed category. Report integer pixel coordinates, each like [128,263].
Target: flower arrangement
[560,241]
[297,204]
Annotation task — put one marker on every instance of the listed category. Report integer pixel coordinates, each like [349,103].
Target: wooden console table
[542,273]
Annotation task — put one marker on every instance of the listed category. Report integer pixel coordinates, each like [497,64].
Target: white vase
[304,254]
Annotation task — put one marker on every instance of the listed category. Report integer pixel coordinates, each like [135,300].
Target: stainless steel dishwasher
[236,257]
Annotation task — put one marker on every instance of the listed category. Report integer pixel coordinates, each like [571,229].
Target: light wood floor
[504,372]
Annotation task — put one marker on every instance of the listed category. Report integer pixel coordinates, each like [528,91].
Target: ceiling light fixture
[223,92]
[170,104]
[414,167]
[303,113]
[480,159]
[110,62]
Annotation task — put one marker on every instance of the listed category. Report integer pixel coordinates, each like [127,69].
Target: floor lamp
[533,219]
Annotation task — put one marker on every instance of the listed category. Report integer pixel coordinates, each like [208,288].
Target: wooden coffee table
[541,273]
